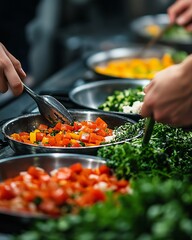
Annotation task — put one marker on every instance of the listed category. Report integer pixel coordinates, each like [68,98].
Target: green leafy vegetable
[168,154]
[118,99]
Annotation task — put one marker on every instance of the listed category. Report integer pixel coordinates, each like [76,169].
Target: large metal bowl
[138,27]
[11,167]
[92,95]
[132,51]
[31,121]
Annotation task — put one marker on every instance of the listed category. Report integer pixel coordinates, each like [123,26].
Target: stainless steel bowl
[131,51]
[11,167]
[31,121]
[92,95]
[138,27]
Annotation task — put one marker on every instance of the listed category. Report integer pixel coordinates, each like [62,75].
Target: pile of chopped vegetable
[160,206]
[64,190]
[169,154]
[80,134]
[120,99]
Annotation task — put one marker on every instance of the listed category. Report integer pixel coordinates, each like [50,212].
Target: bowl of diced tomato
[44,185]
[90,131]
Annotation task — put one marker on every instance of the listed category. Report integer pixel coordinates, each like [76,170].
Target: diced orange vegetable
[39,136]
[43,127]
[84,137]
[84,133]
[100,123]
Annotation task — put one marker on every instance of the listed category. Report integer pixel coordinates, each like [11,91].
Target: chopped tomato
[23,134]
[58,137]
[35,172]
[101,123]
[77,167]
[49,207]
[6,192]
[102,132]
[37,191]
[39,136]
[84,133]
[52,141]
[63,173]
[104,169]
[58,126]
[59,195]
[66,127]
[94,138]
[43,127]
[77,126]
[84,137]
[66,141]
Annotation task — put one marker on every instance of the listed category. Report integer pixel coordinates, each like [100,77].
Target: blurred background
[46,35]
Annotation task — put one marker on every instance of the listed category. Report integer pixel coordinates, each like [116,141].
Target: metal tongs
[150,122]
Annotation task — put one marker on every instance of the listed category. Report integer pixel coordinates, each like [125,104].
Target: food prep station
[59,85]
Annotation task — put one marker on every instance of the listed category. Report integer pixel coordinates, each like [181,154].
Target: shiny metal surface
[129,52]
[92,95]
[50,107]
[30,121]
[11,167]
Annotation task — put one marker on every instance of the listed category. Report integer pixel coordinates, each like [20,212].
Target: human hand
[11,72]
[168,98]
[181,13]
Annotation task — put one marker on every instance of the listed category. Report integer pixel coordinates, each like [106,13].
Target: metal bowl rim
[59,155]
[131,47]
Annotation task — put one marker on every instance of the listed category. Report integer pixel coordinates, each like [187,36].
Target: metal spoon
[50,107]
